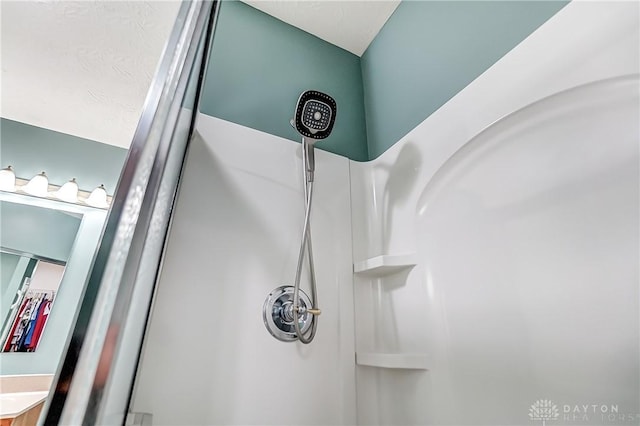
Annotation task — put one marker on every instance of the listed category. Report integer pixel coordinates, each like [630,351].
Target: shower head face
[315,114]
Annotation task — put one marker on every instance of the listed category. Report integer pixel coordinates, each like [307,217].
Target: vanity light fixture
[68,192]
[7,179]
[38,185]
[98,198]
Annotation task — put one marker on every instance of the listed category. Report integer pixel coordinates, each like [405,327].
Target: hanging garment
[23,328]
[43,315]
[32,323]
[16,323]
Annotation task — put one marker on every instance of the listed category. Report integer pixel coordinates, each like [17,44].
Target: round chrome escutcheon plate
[277,313]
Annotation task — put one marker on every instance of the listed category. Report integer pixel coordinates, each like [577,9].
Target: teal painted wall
[426,53]
[430,50]
[31,149]
[259,66]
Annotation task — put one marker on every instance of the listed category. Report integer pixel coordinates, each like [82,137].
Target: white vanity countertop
[14,404]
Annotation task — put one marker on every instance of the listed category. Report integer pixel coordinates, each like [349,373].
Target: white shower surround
[480,359]
[235,236]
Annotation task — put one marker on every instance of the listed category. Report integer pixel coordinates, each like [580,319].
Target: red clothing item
[41,320]
[16,321]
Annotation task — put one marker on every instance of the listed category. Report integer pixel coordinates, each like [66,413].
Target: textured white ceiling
[84,67]
[81,67]
[349,24]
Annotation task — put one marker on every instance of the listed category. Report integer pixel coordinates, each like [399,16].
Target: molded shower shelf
[396,361]
[385,265]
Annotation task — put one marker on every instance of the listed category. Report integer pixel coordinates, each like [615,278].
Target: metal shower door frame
[93,384]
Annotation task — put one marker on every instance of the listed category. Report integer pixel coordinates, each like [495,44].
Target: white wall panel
[526,285]
[208,358]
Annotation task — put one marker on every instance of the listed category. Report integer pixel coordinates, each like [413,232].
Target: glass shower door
[94,381]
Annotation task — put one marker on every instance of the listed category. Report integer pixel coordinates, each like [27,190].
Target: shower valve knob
[303,310]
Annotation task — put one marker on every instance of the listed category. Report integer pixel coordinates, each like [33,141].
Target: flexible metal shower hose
[306,242]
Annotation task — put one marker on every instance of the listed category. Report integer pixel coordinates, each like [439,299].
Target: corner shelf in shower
[415,361]
[385,265]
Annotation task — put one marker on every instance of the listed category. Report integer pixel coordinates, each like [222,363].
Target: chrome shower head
[315,114]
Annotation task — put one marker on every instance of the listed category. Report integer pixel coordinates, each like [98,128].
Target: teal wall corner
[30,150]
[430,50]
[258,67]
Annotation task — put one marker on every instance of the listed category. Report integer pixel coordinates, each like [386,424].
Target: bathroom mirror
[35,246]
[46,250]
